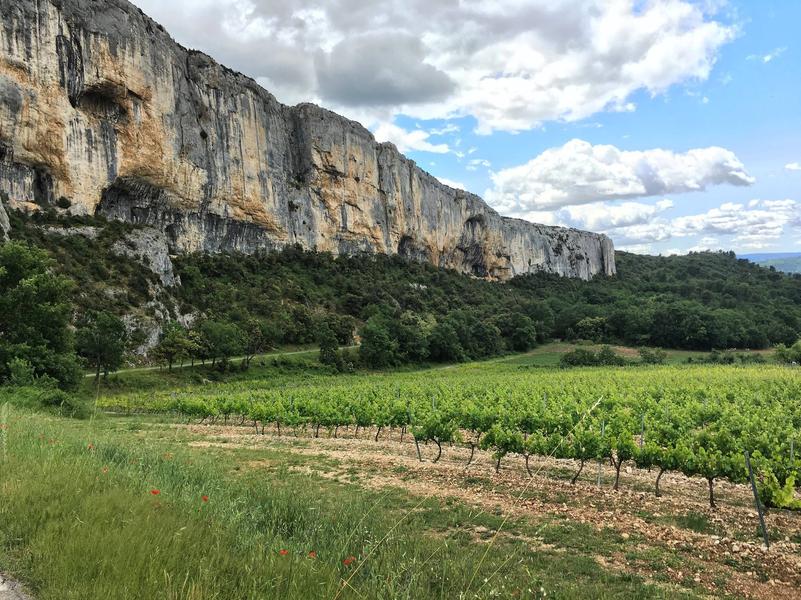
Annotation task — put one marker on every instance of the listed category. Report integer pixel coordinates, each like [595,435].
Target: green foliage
[329,348]
[789,355]
[584,357]
[377,348]
[101,341]
[176,344]
[652,356]
[221,340]
[36,313]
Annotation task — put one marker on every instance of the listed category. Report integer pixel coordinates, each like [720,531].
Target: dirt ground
[725,555]
[11,590]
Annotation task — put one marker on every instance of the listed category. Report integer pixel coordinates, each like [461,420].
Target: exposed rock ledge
[101,108]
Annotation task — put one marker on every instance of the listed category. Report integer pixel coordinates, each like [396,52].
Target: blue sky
[671,125]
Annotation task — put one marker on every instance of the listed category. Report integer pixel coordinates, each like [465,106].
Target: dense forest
[400,311]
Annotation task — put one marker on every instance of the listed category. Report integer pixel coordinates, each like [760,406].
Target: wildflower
[105,470]
[312,554]
[91,446]
[204,498]
[283,552]
[349,561]
[155,492]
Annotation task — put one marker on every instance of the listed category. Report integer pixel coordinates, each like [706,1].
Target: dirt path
[726,550]
[11,590]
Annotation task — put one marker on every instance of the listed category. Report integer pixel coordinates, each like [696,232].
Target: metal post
[756,500]
[600,461]
[642,431]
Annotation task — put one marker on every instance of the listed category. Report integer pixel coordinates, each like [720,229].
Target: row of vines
[698,421]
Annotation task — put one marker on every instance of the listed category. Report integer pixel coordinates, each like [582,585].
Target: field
[455,482]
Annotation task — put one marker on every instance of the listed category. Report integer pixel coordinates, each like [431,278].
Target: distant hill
[788,262]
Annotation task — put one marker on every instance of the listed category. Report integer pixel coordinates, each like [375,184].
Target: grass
[78,520]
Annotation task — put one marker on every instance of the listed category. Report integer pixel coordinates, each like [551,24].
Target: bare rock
[149,247]
[101,111]
[5,225]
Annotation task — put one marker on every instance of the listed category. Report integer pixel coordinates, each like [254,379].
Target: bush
[583,357]
[46,396]
[650,356]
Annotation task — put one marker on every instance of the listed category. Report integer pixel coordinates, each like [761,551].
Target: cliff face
[102,111]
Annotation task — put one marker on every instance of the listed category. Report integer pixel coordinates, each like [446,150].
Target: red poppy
[312,554]
[283,552]
[155,492]
[349,561]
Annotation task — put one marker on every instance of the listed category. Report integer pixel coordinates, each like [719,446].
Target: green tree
[101,342]
[518,330]
[377,349]
[223,340]
[35,309]
[329,347]
[444,344]
[259,336]
[175,344]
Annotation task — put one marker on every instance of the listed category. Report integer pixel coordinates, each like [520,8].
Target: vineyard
[694,420]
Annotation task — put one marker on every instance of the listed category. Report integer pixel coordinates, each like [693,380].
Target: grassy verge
[80,519]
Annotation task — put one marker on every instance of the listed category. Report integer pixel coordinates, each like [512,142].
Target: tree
[592,328]
[101,341]
[259,336]
[222,339]
[174,344]
[518,330]
[329,347]
[377,349]
[35,309]
[444,344]
[791,355]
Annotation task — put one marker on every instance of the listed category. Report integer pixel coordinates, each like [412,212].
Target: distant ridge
[788,262]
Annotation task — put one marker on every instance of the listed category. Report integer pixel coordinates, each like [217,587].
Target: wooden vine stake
[756,501]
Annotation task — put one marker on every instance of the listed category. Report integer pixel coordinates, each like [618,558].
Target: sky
[670,125]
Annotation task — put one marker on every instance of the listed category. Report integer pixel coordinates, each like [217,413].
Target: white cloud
[454,184]
[759,224]
[793,166]
[445,130]
[475,163]
[770,56]
[580,173]
[636,248]
[511,64]
[405,140]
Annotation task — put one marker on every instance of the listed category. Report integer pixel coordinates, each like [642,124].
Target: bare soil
[724,555]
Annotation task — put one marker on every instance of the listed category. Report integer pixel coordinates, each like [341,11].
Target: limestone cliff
[101,111]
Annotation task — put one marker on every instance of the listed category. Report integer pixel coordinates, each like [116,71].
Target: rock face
[149,247]
[5,226]
[101,108]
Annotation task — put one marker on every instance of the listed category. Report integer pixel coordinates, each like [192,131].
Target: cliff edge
[101,112]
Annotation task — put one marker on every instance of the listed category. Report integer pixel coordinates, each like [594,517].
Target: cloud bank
[580,173]
[511,64]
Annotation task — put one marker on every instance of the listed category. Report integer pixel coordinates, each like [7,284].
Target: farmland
[489,479]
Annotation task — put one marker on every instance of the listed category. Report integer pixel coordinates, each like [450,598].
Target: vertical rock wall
[100,109]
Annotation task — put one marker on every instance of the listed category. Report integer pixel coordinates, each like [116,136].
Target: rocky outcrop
[5,225]
[149,247]
[101,111]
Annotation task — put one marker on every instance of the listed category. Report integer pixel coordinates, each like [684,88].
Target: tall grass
[79,518]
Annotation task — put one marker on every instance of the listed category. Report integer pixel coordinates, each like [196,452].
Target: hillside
[698,302]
